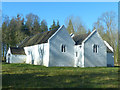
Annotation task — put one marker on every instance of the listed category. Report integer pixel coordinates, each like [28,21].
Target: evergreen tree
[36,25]
[19,29]
[58,25]
[89,31]
[12,35]
[53,26]
[5,36]
[70,27]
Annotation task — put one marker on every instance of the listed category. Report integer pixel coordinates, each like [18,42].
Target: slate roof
[17,51]
[79,38]
[37,39]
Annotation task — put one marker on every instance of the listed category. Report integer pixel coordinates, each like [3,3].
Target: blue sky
[87,11]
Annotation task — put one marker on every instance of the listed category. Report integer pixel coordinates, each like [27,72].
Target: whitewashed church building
[58,48]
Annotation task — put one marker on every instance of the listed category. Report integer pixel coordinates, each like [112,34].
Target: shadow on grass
[44,80]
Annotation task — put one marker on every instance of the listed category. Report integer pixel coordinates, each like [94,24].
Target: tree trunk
[3,57]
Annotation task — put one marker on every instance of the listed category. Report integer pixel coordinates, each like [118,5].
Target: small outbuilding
[15,55]
[110,55]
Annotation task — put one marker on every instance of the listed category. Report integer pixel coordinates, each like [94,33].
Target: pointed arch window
[63,48]
[95,48]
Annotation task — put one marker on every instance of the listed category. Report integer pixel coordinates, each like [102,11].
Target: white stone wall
[37,53]
[56,57]
[18,58]
[95,59]
[78,57]
[32,54]
[45,48]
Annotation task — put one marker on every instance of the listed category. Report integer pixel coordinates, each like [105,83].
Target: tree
[76,24]
[19,29]
[107,27]
[1,42]
[117,51]
[12,35]
[53,26]
[33,23]
[81,30]
[108,19]
[15,30]
[70,27]
[89,31]
[110,25]
[58,25]
[5,29]
[36,26]
[79,26]
[5,36]
[118,48]
[100,28]
[43,26]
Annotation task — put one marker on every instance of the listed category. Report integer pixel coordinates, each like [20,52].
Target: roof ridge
[37,38]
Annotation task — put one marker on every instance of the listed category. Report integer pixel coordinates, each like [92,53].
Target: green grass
[35,76]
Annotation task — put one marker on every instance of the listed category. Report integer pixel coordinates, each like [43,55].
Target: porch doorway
[9,58]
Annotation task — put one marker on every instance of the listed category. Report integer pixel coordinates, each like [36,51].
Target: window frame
[63,48]
[76,54]
[29,52]
[95,48]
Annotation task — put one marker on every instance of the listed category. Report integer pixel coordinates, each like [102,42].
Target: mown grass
[35,76]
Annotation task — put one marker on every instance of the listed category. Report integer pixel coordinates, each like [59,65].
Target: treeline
[16,29]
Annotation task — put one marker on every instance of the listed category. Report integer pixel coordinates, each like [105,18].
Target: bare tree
[108,19]
[107,27]
[100,28]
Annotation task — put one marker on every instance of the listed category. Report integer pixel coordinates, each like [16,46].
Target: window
[76,54]
[95,48]
[63,48]
[28,52]
[9,54]
[80,46]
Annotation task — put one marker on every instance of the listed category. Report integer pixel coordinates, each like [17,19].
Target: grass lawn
[35,76]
